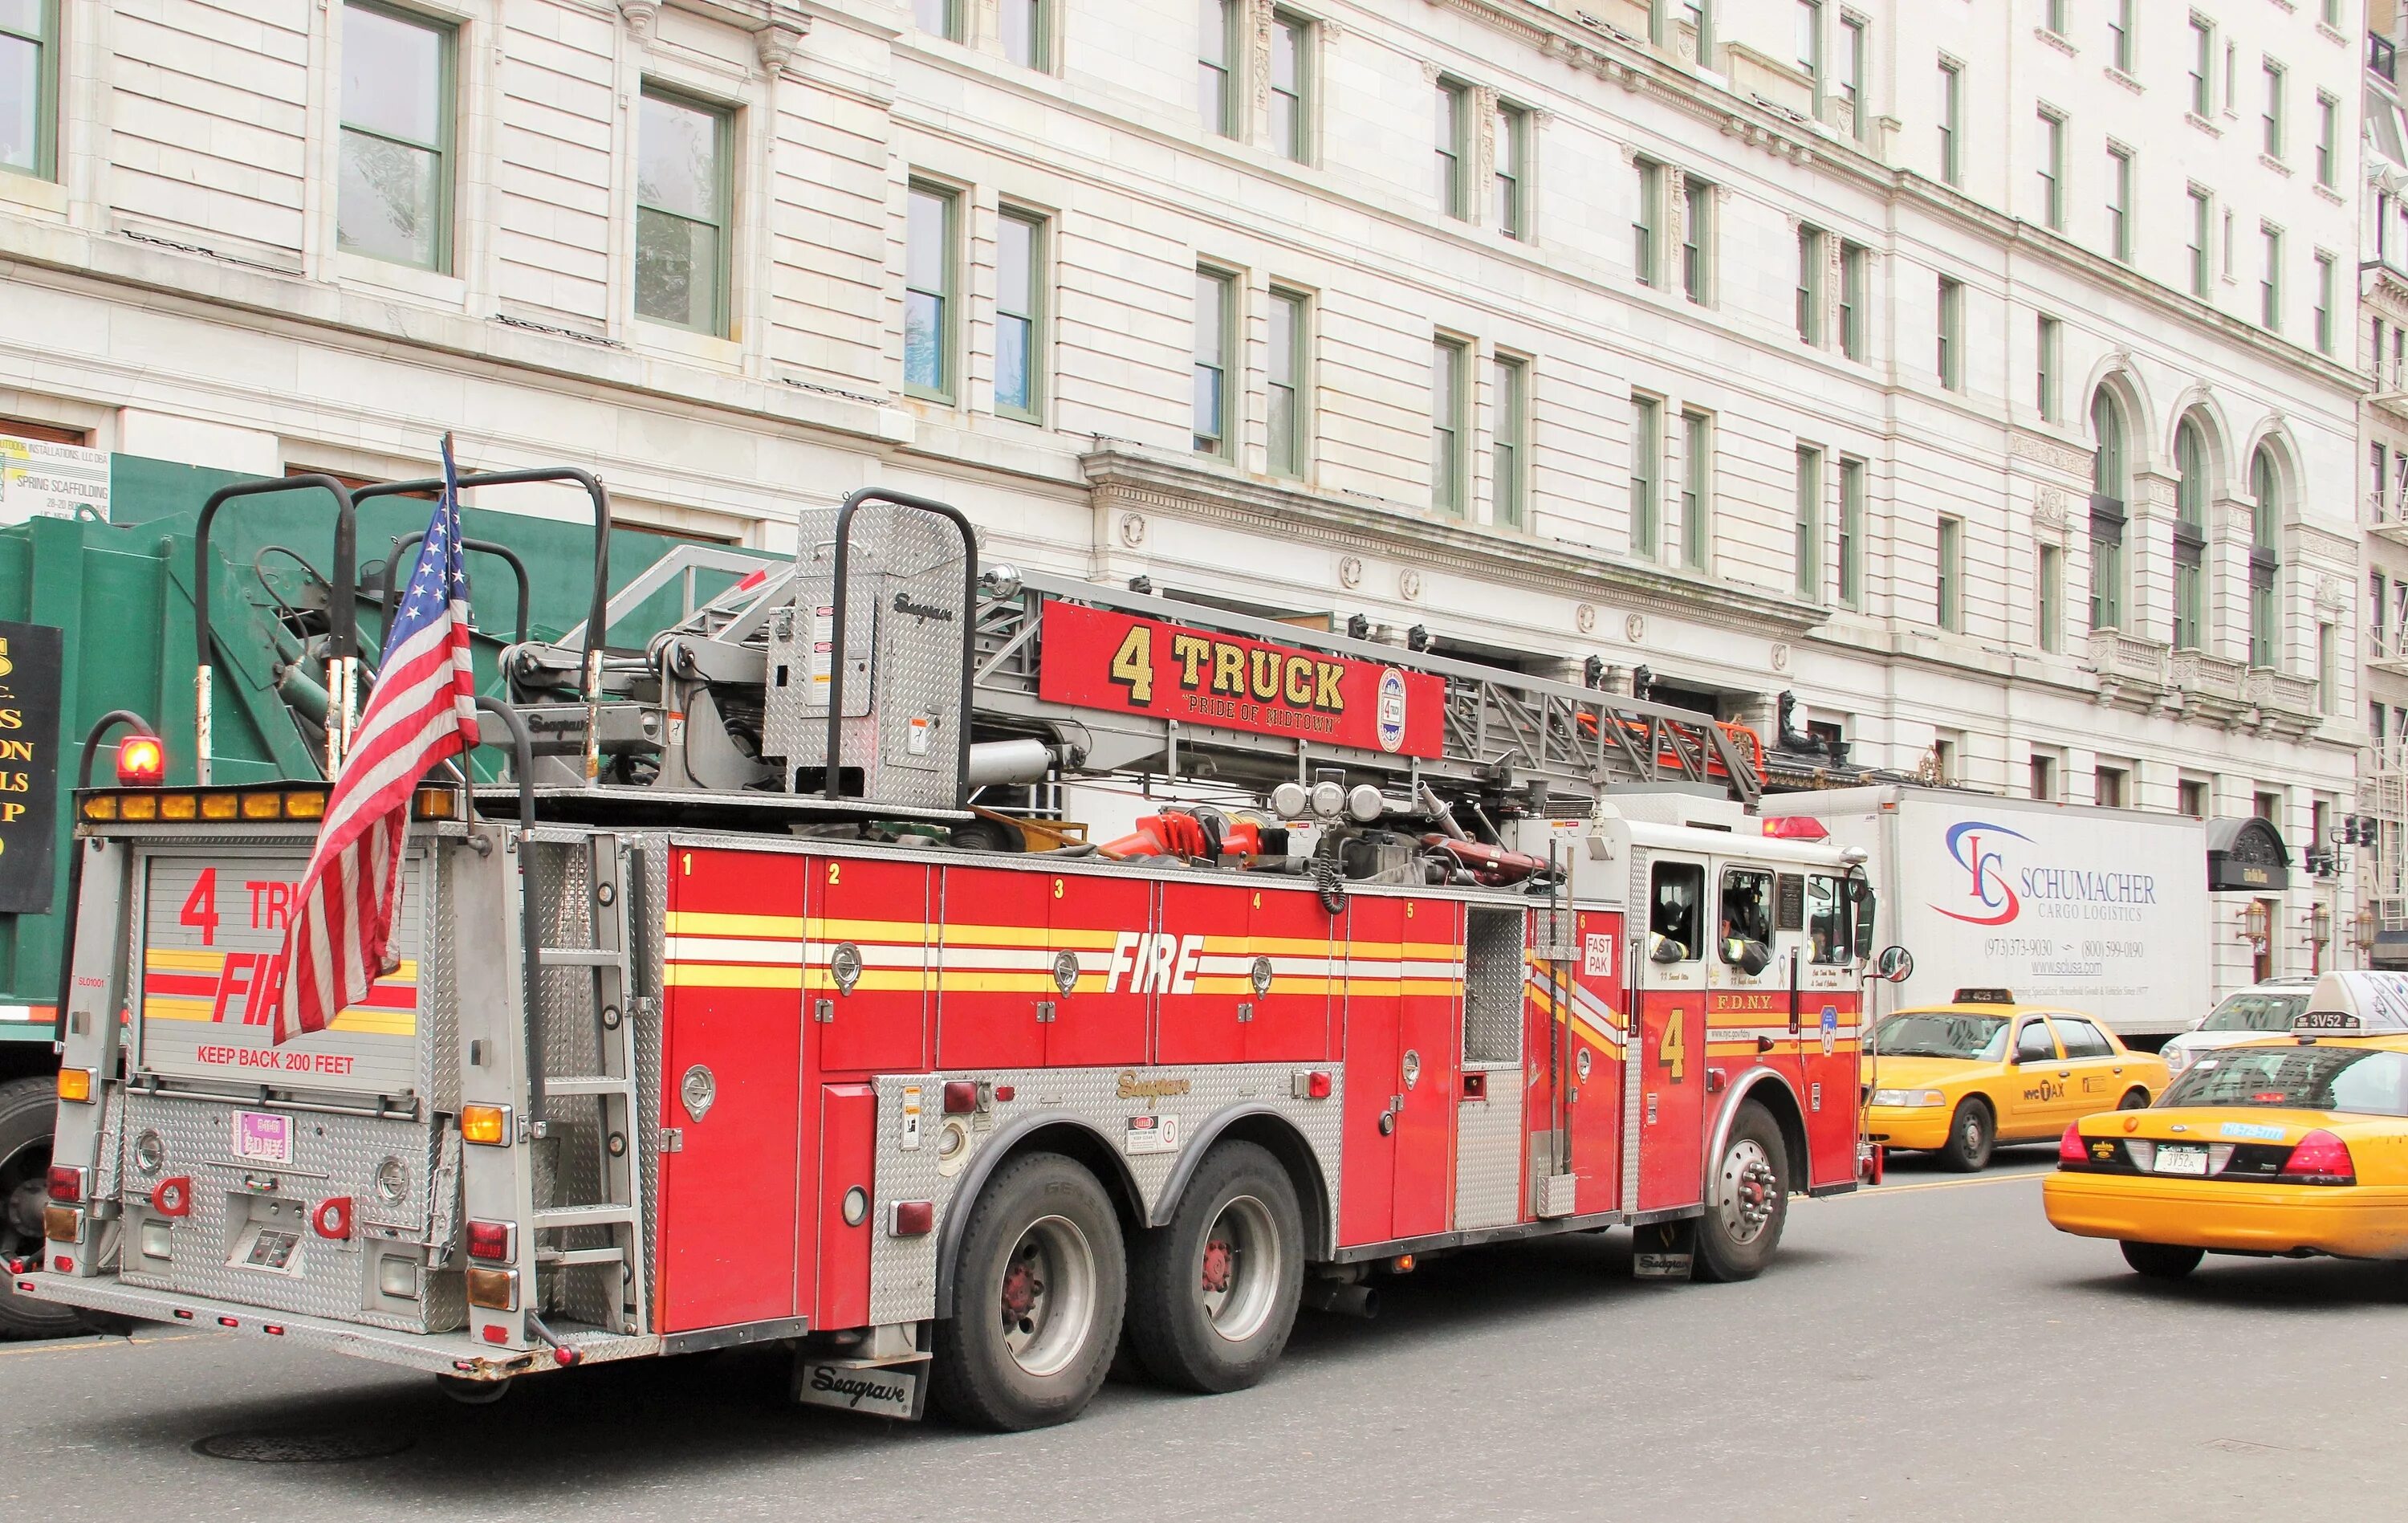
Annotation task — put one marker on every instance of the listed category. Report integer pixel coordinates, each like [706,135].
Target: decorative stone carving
[1350,571]
[2330,596]
[1409,584]
[1132,529]
[2049,452]
[778,42]
[1585,618]
[1781,655]
[1258,31]
[1634,628]
[2049,511]
[639,16]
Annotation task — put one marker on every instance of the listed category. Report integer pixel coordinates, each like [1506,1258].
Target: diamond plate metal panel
[1492,1010]
[903,1271]
[1642,909]
[1488,1153]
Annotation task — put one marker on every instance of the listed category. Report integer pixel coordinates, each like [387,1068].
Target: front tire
[1972,1133]
[1212,1295]
[28,1107]
[1038,1290]
[1747,1200]
[2162,1260]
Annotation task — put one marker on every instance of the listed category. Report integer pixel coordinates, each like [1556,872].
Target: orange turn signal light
[489,1126]
[76,1085]
[494,1289]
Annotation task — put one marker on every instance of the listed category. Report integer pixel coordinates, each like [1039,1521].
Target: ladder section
[589,1222]
[1504,731]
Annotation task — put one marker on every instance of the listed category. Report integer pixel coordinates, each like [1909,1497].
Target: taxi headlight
[1912,1099]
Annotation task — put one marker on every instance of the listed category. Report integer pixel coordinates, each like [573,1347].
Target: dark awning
[2391,949]
[2247,855]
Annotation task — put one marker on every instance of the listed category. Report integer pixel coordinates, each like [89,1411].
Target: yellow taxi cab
[1960,1078]
[2293,1146]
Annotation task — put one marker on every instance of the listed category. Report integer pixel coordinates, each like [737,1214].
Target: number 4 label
[201,907]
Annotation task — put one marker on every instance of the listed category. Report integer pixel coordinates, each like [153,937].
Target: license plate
[262,1137]
[2182,1159]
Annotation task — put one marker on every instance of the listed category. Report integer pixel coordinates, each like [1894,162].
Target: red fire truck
[766,1003]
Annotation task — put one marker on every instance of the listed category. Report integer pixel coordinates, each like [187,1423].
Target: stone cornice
[1125,475]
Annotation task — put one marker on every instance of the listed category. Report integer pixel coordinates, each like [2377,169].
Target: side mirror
[1753,958]
[1895,964]
[1665,949]
[1862,892]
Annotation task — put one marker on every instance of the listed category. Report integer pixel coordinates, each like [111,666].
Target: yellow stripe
[161,959]
[712,976]
[755,928]
[361,1018]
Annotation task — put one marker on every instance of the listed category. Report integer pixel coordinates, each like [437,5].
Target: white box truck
[2104,911]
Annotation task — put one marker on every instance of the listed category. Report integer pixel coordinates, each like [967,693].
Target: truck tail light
[2070,1149]
[493,1239]
[494,1289]
[914,1218]
[76,1085]
[61,1224]
[2321,1158]
[67,1184]
[489,1126]
[141,762]
[961,1097]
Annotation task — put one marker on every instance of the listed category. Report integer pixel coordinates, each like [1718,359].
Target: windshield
[1943,1035]
[2250,1011]
[2367,1081]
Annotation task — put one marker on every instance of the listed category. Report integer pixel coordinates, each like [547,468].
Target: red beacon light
[141,762]
[1795,827]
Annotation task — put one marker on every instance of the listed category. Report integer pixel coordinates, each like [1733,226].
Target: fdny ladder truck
[737,1015]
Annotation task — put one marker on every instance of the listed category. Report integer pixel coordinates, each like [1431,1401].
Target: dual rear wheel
[1045,1278]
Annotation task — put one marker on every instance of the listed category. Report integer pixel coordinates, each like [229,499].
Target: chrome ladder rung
[572,1257]
[578,956]
[547,1217]
[588,1083]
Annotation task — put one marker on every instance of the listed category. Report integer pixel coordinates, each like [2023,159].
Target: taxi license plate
[2182,1159]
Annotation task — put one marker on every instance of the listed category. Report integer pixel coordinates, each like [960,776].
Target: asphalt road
[1929,1349]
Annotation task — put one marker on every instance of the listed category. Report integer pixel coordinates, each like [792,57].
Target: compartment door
[993,968]
[1429,1007]
[1597,1028]
[1288,929]
[1103,1020]
[1671,1034]
[731,1083]
[1371,1046]
[870,952]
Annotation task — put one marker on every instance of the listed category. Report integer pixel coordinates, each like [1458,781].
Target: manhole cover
[303,1449]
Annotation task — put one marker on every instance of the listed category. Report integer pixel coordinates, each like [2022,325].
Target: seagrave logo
[1990,899]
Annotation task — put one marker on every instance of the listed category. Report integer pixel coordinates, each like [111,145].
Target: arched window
[2107,513]
[2190,536]
[2265,528]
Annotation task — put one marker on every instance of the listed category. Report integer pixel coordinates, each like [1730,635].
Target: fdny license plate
[2178,1158]
[885,1390]
[262,1137]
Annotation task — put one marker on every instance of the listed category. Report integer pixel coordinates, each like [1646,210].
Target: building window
[1697,490]
[1018,314]
[1810,47]
[1216,67]
[2107,514]
[941,17]
[2274,135]
[1291,87]
[2044,777]
[1696,239]
[1952,574]
[2051,339]
[929,292]
[1509,428]
[2374,724]
[1806,548]
[2270,285]
[1855,64]
[2120,205]
[1951,357]
[2051,599]
[2107,787]
[1646,474]
[2203,66]
[1809,284]
[2265,526]
[2327,140]
[1646,228]
[1217,318]
[2052,170]
[1952,124]
[2200,242]
[2324,304]
[1851,534]
[1512,151]
[2053,16]
[2327,670]
[1289,368]
[2119,35]
[393,200]
[2190,536]
[682,190]
[1852,300]
[2378,476]
[1027,32]
[2190,797]
[1448,162]
[1447,456]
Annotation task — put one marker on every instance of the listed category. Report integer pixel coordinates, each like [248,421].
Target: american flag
[424,708]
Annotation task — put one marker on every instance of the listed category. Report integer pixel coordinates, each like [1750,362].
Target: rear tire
[28,1107]
[1747,1200]
[1972,1133]
[2162,1260]
[1212,1295]
[2134,1100]
[1039,1289]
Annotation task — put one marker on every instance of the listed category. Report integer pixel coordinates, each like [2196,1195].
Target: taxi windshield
[1943,1034]
[2250,1011]
[2362,1080]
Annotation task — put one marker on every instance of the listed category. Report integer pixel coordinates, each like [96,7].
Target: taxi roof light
[2321,1158]
[141,762]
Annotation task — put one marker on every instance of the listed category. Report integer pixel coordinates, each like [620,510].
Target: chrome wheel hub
[1238,1278]
[1047,1300]
[1749,1191]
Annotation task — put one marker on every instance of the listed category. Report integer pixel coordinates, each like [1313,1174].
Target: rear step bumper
[442,1353]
